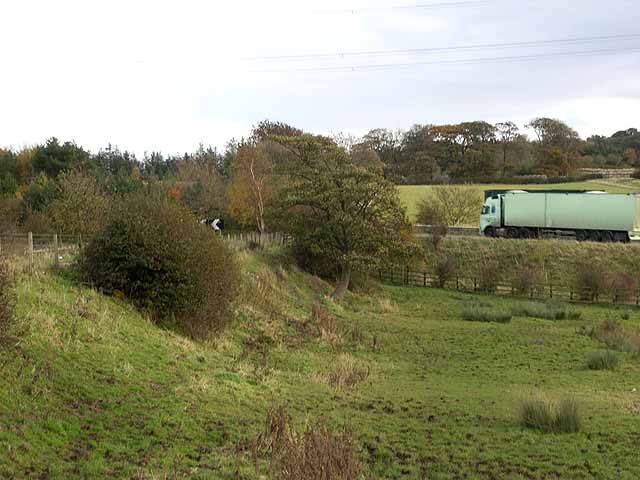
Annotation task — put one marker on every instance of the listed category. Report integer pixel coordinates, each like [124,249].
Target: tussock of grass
[386,306]
[547,311]
[603,360]
[540,414]
[325,324]
[478,313]
[347,373]
[317,453]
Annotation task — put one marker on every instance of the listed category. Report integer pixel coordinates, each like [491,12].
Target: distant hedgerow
[154,252]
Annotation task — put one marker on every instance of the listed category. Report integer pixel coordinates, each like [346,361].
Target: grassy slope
[411,194]
[99,391]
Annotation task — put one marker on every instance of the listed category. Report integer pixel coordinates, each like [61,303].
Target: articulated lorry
[587,215]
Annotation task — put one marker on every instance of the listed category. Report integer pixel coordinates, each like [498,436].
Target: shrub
[591,280]
[450,205]
[318,453]
[477,313]
[603,360]
[157,254]
[548,311]
[624,287]
[79,206]
[540,414]
[489,276]
[528,280]
[445,270]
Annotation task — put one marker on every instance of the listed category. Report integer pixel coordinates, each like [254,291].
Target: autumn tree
[201,184]
[451,205]
[252,186]
[254,182]
[348,214]
[388,145]
[558,146]
[81,206]
[507,134]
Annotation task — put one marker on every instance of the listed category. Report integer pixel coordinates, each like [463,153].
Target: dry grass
[347,373]
[386,306]
[616,337]
[325,325]
[318,453]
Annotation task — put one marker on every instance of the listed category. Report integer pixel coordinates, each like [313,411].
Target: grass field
[94,390]
[410,195]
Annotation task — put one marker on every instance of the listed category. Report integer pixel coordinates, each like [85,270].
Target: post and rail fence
[405,276]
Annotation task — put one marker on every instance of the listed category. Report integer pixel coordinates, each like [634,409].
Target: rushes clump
[540,414]
[603,360]
[546,311]
[478,313]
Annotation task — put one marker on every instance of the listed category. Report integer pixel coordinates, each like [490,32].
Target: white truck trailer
[587,215]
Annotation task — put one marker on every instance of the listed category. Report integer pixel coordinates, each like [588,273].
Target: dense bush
[156,253]
[539,414]
[528,280]
[489,275]
[80,204]
[591,280]
[445,270]
[450,205]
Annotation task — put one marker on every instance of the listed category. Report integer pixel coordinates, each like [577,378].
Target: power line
[429,50]
[471,61]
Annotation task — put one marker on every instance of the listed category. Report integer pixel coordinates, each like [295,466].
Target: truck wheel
[526,233]
[582,235]
[513,232]
[607,236]
[490,232]
[594,235]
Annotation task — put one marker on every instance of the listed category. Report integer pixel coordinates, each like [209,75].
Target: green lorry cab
[586,215]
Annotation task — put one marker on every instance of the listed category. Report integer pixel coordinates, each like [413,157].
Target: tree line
[243,183]
[479,150]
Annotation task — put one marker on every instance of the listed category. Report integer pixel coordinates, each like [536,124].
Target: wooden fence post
[424,279]
[56,251]
[30,248]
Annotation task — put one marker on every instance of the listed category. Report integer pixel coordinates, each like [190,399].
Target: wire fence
[257,239]
[40,251]
[405,276]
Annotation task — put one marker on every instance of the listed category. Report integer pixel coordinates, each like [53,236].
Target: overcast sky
[167,75]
